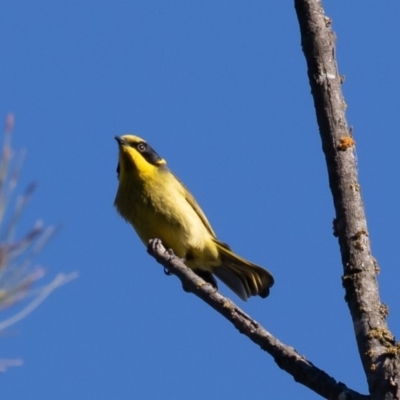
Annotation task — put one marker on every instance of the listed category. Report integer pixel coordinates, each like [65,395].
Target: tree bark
[378,350]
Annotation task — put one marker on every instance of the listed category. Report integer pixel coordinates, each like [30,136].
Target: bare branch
[18,273]
[378,351]
[286,357]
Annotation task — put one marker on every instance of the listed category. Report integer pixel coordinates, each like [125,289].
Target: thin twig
[59,280]
[286,357]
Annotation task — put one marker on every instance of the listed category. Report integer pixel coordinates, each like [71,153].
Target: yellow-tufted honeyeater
[158,205]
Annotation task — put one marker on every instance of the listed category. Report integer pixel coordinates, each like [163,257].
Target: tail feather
[243,277]
[232,281]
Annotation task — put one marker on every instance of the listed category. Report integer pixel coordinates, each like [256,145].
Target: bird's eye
[141,147]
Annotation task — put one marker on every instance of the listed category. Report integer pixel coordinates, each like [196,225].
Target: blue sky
[219,89]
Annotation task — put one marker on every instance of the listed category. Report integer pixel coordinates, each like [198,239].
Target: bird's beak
[120,140]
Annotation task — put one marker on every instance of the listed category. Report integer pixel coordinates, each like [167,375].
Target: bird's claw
[153,244]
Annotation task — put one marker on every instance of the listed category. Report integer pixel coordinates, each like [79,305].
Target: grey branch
[286,357]
[378,350]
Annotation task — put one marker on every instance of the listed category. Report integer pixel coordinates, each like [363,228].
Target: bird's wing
[193,203]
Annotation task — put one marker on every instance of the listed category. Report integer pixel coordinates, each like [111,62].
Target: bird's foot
[153,244]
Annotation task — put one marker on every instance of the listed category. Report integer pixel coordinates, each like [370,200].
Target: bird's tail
[243,277]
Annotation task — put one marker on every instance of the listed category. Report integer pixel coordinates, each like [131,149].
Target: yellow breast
[157,208]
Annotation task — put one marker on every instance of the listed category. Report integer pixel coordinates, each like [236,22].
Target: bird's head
[137,156]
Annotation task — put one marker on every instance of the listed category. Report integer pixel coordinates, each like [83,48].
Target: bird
[157,205]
